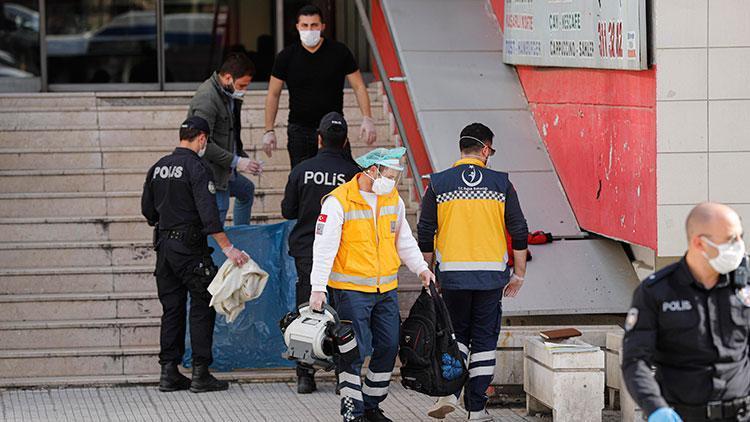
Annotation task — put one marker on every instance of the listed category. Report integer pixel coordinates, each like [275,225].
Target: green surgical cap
[383,157]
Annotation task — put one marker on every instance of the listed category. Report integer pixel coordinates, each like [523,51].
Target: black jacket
[308,183]
[213,104]
[179,193]
[697,340]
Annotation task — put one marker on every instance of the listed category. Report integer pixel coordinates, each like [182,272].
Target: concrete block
[51,139]
[54,256]
[728,23]
[140,137]
[41,206]
[140,335]
[49,120]
[128,203]
[141,364]
[154,117]
[571,384]
[682,74]
[137,254]
[63,309]
[724,134]
[681,126]
[47,338]
[681,178]
[62,283]
[49,101]
[137,308]
[50,231]
[141,160]
[725,174]
[629,409]
[727,80]
[681,23]
[58,182]
[134,282]
[121,181]
[61,366]
[23,160]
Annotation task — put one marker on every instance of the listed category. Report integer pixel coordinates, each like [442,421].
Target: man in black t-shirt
[314,71]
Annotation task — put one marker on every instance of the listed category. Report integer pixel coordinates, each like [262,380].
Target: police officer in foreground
[308,183]
[179,200]
[685,351]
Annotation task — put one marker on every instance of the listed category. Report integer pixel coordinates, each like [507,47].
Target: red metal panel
[400,92]
[599,127]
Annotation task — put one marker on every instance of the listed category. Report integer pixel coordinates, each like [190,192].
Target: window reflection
[19,39]
[101,41]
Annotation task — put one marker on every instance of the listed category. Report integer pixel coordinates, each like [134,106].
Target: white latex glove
[317,299]
[367,130]
[512,288]
[269,142]
[425,277]
[249,166]
[238,257]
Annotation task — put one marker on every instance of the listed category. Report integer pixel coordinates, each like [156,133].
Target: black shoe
[305,380]
[171,378]
[376,415]
[204,382]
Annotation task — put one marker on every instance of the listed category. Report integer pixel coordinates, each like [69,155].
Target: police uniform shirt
[308,183]
[695,338]
[179,192]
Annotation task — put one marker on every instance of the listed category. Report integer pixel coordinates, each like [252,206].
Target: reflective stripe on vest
[470,266]
[389,210]
[365,281]
[357,214]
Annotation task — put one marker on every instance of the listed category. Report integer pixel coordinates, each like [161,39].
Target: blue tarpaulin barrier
[254,340]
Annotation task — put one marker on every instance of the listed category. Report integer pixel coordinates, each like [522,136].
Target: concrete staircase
[78,302]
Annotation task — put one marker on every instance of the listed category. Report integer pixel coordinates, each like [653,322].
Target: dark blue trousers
[476,317]
[376,322]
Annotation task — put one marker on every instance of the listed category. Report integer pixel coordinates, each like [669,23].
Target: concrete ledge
[571,384]
[615,384]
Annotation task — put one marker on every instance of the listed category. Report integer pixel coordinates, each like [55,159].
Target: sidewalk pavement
[276,402]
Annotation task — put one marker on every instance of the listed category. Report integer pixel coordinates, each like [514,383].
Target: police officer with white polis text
[308,183]
[685,351]
[179,201]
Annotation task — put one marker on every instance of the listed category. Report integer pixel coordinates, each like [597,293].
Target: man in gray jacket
[219,101]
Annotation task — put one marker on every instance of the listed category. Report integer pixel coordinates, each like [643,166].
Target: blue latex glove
[664,414]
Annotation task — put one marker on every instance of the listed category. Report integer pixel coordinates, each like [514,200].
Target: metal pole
[43,45]
[160,53]
[279,25]
[365,21]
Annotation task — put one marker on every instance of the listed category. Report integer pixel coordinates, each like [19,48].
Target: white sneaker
[482,415]
[442,407]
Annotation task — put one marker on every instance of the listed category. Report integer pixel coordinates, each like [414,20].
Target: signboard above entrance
[605,34]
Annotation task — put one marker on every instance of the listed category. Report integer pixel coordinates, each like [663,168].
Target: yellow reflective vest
[367,259]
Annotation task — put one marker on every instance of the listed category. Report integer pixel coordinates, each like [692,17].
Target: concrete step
[131,157]
[66,306]
[75,229]
[124,332]
[136,117]
[79,254]
[92,204]
[51,100]
[248,376]
[77,280]
[79,361]
[112,180]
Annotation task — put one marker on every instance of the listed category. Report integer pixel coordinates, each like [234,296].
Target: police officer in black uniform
[178,200]
[685,351]
[308,183]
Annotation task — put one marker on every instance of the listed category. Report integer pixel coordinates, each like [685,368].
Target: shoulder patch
[743,295]
[661,274]
[211,187]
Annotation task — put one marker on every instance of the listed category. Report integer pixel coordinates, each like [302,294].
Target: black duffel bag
[430,360]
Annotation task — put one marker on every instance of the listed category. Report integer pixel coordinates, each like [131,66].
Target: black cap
[195,122]
[333,127]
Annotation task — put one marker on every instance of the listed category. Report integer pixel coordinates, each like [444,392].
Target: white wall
[702,111]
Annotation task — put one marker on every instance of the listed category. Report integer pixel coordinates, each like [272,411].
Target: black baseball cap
[195,122]
[333,127]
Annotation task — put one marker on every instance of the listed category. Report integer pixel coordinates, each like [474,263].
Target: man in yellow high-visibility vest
[361,237]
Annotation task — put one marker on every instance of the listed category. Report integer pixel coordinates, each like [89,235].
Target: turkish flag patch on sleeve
[322,218]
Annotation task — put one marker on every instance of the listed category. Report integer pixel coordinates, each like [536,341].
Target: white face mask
[729,257]
[309,38]
[382,185]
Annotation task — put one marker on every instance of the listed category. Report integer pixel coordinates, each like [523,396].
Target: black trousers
[302,143]
[176,277]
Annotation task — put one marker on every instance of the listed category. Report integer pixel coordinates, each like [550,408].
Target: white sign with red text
[605,34]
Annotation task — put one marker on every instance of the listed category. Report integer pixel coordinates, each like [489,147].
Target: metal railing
[365,21]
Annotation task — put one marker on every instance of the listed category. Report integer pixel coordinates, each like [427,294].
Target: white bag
[233,286]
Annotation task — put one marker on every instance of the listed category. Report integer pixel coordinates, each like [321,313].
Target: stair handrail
[365,21]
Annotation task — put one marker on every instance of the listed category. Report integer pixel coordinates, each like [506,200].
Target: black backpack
[426,338]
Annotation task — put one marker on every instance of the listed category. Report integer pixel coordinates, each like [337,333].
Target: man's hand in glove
[317,299]
[238,257]
[367,130]
[269,142]
[249,166]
